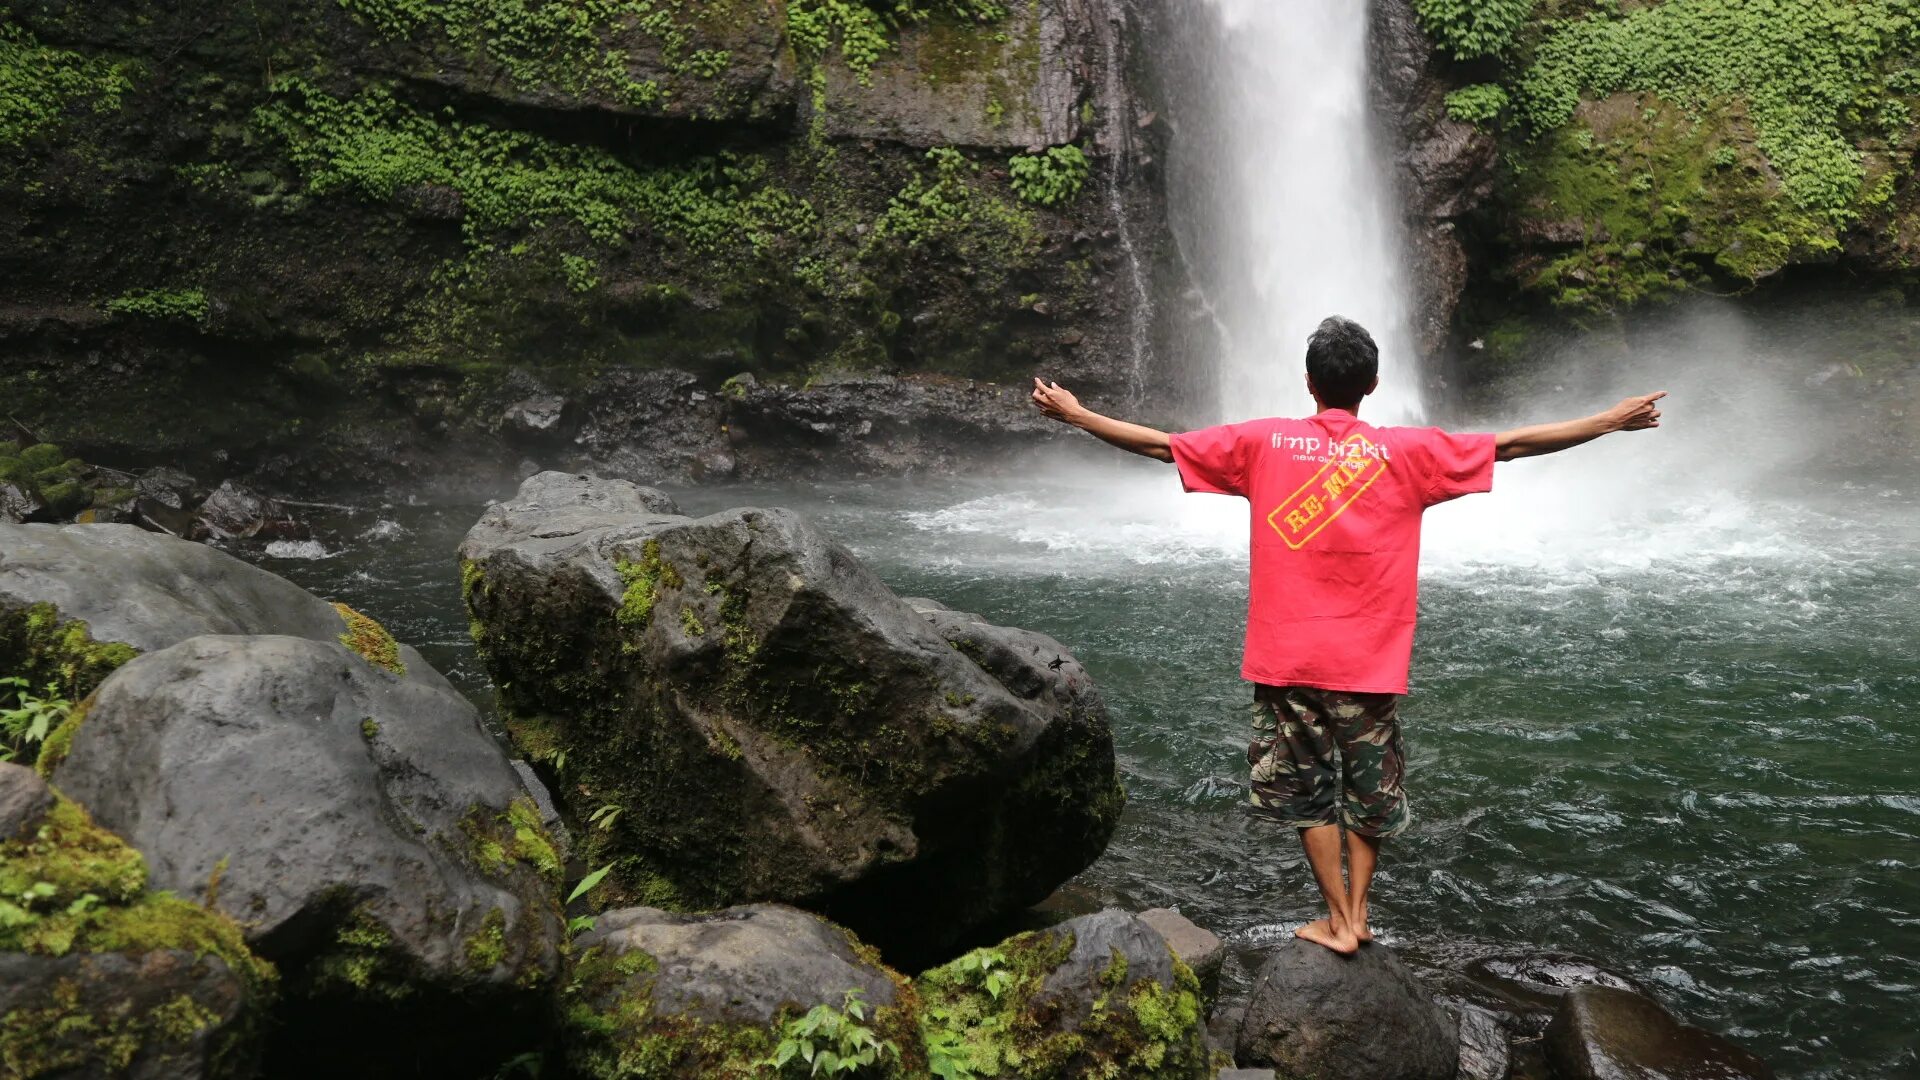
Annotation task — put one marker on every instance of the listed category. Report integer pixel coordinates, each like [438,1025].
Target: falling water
[1116,135]
[1298,218]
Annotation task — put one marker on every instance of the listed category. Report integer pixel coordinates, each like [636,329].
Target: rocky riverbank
[258,821]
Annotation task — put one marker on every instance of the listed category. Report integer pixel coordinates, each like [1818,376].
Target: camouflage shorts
[1296,731]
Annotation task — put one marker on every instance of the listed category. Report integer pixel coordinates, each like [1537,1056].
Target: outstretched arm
[1633,414]
[1057,403]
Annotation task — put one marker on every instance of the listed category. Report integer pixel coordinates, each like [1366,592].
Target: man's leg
[1363,852]
[1373,800]
[1323,854]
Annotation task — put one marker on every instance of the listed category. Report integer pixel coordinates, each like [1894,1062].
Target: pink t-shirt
[1336,537]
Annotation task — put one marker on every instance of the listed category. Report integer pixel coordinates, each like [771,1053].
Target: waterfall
[1295,219]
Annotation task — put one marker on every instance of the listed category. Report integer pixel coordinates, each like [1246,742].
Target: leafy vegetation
[177,305]
[1480,103]
[40,85]
[864,28]
[1050,178]
[26,718]
[376,146]
[826,1041]
[1473,28]
[1816,78]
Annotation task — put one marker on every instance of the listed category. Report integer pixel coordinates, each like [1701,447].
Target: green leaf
[587,883]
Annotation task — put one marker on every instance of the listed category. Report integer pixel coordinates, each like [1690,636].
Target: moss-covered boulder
[100,977]
[362,828]
[77,601]
[41,483]
[1101,995]
[654,995]
[772,723]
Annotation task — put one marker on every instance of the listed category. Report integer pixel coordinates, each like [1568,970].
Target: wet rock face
[1605,1033]
[1363,1017]
[777,724]
[1446,168]
[24,799]
[362,827]
[706,995]
[1098,995]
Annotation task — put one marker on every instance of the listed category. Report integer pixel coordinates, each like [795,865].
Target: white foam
[298,549]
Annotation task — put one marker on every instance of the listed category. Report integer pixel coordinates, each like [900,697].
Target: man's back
[1335,537]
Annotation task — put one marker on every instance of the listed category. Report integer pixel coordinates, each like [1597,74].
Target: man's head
[1343,363]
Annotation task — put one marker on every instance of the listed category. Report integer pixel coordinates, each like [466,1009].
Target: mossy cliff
[354,233]
[1596,154]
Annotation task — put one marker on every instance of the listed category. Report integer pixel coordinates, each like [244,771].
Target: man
[1336,550]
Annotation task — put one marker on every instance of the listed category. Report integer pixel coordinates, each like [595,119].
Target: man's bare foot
[1361,928]
[1323,932]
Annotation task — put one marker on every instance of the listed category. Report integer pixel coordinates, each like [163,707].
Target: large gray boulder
[775,724]
[100,977]
[362,828]
[1605,1033]
[662,994]
[1099,995]
[77,601]
[1362,1017]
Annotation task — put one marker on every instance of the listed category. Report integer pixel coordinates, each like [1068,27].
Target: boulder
[775,724]
[1362,1017]
[1486,1051]
[98,976]
[363,829]
[1605,1033]
[77,601]
[1100,995]
[1199,948]
[232,512]
[654,993]
[1532,984]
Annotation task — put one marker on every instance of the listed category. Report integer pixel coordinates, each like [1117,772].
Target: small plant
[588,883]
[1050,178]
[177,305]
[605,816]
[1477,104]
[830,1041]
[30,719]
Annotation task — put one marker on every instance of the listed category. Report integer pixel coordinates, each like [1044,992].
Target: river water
[1677,733]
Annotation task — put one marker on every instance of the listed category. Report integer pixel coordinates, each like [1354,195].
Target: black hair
[1342,361]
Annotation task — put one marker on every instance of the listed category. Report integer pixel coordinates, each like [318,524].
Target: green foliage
[643,579]
[1473,28]
[41,85]
[1816,77]
[375,146]
[65,485]
[1050,178]
[27,719]
[589,883]
[864,28]
[574,46]
[178,305]
[947,205]
[1480,103]
[830,1042]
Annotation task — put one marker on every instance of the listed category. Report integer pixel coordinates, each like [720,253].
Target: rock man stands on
[1337,505]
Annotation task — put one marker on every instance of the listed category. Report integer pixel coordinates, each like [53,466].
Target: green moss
[864,32]
[487,948]
[66,485]
[690,622]
[68,886]
[42,86]
[499,840]
[643,580]
[365,636]
[362,962]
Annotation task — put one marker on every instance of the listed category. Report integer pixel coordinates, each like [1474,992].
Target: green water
[1681,740]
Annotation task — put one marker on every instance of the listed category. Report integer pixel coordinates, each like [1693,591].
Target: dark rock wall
[342,241]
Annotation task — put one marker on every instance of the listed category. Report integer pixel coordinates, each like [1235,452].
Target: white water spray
[1302,221]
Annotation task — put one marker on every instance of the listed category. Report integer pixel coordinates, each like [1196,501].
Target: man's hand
[1059,404]
[1636,413]
[1056,401]
[1633,414]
